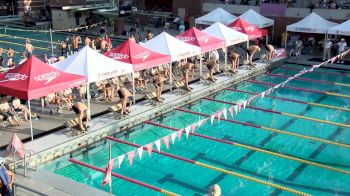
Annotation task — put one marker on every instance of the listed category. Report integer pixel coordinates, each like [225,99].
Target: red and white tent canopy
[251,30]
[140,57]
[34,78]
[199,38]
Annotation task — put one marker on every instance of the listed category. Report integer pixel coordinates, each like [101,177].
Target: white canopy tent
[313,23]
[341,29]
[95,66]
[257,19]
[167,44]
[217,15]
[229,35]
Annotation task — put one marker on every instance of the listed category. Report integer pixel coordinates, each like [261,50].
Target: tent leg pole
[133,88]
[247,49]
[88,116]
[273,33]
[30,121]
[267,39]
[285,42]
[200,66]
[225,57]
[51,43]
[171,77]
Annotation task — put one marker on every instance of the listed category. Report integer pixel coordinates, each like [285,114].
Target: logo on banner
[281,52]
[251,29]
[143,55]
[204,39]
[237,28]
[187,39]
[118,55]
[48,77]
[14,77]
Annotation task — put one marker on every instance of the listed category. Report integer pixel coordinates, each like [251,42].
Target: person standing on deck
[28,48]
[87,41]
[251,50]
[342,45]
[1,58]
[234,57]
[64,47]
[270,51]
[10,54]
[327,46]
[6,179]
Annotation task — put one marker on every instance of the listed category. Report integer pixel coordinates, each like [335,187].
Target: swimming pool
[40,40]
[292,145]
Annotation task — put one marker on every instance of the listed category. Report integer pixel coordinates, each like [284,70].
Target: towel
[4,177]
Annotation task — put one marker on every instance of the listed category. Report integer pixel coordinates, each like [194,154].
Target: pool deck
[61,142]
[305,60]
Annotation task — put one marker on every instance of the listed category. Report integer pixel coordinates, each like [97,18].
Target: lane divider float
[274,130]
[301,89]
[207,166]
[165,192]
[293,100]
[308,80]
[265,151]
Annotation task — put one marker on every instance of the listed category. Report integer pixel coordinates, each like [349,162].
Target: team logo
[143,55]
[187,39]
[48,77]
[237,28]
[204,39]
[251,29]
[118,55]
[14,77]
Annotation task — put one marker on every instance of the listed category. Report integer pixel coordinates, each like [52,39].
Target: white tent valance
[341,29]
[230,36]
[313,23]
[93,65]
[167,44]
[257,19]
[217,15]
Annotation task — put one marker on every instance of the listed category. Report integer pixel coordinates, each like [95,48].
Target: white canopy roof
[93,65]
[217,15]
[341,29]
[313,23]
[223,32]
[167,44]
[257,19]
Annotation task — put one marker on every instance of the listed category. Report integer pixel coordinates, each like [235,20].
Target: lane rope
[277,186]
[284,113]
[320,72]
[293,100]
[275,130]
[13,43]
[301,89]
[308,80]
[265,151]
[37,40]
[165,192]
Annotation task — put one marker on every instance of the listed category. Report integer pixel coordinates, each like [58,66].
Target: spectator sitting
[6,179]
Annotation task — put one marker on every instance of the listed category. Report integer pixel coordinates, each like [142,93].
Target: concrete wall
[65,19]
[192,6]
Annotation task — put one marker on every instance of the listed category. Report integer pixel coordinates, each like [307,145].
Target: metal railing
[15,185]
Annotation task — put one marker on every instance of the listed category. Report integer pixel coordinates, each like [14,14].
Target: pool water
[188,179]
[40,41]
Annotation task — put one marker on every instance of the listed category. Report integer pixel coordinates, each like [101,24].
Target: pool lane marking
[320,72]
[218,169]
[283,113]
[19,37]
[165,192]
[265,151]
[293,100]
[274,130]
[13,43]
[301,89]
[309,80]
